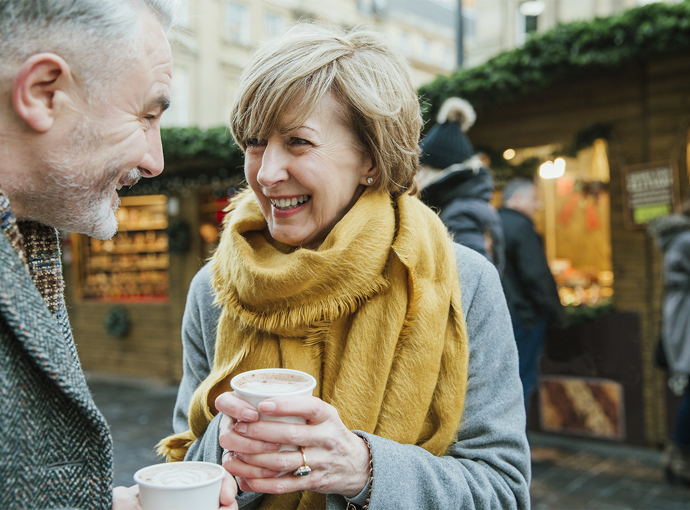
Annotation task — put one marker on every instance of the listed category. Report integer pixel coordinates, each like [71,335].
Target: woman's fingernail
[241,427]
[250,415]
[267,407]
[271,447]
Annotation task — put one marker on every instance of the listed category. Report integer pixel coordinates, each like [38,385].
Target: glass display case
[134,264]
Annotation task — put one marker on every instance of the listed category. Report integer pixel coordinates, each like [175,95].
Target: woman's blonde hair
[371,81]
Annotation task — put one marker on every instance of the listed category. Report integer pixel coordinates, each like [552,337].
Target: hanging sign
[649,191]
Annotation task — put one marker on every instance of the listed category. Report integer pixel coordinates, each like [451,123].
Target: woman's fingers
[236,408]
[282,462]
[229,439]
[234,465]
[312,409]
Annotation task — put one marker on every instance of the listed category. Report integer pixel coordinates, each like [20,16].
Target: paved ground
[568,474]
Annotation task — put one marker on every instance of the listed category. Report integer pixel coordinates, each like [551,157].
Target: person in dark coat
[528,284]
[456,182]
[673,238]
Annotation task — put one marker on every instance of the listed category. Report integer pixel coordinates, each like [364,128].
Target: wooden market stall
[611,99]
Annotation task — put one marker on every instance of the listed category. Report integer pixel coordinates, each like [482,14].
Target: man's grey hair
[517,185]
[95,37]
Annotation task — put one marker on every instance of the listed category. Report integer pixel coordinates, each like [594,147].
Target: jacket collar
[44,336]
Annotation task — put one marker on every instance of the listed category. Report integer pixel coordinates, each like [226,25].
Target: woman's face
[308,179]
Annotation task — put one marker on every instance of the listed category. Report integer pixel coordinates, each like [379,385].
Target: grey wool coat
[673,237]
[488,466]
[55,446]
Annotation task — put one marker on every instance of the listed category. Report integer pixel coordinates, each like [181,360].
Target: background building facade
[217,36]
[493,26]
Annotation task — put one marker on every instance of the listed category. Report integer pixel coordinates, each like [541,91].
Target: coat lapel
[22,306]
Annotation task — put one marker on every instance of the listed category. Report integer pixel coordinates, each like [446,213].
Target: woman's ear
[40,88]
[370,173]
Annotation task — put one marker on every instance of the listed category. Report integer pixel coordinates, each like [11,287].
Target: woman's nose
[274,164]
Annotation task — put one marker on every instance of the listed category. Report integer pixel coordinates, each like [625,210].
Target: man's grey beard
[71,200]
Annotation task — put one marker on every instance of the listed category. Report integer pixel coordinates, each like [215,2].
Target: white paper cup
[180,486]
[256,386]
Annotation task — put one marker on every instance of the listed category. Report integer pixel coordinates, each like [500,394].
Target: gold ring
[303,470]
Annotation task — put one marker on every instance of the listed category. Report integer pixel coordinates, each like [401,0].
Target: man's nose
[274,163]
[152,164]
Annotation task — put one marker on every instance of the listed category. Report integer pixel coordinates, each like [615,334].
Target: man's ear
[40,88]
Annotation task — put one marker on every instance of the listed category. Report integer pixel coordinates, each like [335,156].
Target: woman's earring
[370,180]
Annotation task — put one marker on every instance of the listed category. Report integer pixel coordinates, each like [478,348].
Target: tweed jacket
[56,449]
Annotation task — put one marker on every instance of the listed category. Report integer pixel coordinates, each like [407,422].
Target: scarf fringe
[294,317]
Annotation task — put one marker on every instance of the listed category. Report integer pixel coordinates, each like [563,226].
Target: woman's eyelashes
[255,142]
[292,141]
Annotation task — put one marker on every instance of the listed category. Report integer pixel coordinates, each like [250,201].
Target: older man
[527,281]
[83,84]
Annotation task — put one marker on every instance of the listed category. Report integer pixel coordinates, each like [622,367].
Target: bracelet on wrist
[370,480]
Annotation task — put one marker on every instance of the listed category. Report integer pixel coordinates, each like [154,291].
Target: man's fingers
[228,493]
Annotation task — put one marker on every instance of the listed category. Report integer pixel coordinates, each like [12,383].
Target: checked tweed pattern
[56,450]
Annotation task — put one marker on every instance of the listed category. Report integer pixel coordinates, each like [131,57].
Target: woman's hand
[339,459]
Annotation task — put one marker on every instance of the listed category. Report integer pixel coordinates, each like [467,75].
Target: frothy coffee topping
[271,384]
[178,474]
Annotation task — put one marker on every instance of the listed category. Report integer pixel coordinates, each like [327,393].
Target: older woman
[328,264]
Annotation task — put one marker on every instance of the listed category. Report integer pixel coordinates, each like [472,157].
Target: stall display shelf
[133,265]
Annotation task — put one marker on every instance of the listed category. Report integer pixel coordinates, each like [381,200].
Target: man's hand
[228,493]
[126,498]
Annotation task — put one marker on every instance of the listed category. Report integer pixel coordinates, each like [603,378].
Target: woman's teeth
[289,203]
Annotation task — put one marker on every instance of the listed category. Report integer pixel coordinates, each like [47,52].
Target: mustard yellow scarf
[374,314]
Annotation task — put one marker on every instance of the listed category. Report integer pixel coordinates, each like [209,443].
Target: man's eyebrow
[160,101]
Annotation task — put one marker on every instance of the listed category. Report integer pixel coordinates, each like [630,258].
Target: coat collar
[26,313]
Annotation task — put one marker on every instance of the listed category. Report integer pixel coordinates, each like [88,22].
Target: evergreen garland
[637,34]
[181,144]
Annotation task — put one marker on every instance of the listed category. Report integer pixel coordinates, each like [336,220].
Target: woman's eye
[255,142]
[299,141]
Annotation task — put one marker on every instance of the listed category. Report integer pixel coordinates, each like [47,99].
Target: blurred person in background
[83,84]
[673,238]
[456,182]
[529,286]
[330,265]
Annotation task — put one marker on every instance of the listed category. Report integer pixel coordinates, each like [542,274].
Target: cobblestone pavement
[568,474]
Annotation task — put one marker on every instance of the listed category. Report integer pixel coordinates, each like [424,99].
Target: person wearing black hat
[456,182]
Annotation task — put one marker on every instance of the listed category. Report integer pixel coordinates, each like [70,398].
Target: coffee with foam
[179,474]
[272,384]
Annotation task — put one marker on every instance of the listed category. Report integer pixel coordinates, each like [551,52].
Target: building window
[426,53]
[273,25]
[372,7]
[237,23]
[469,23]
[178,113]
[405,44]
[527,20]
